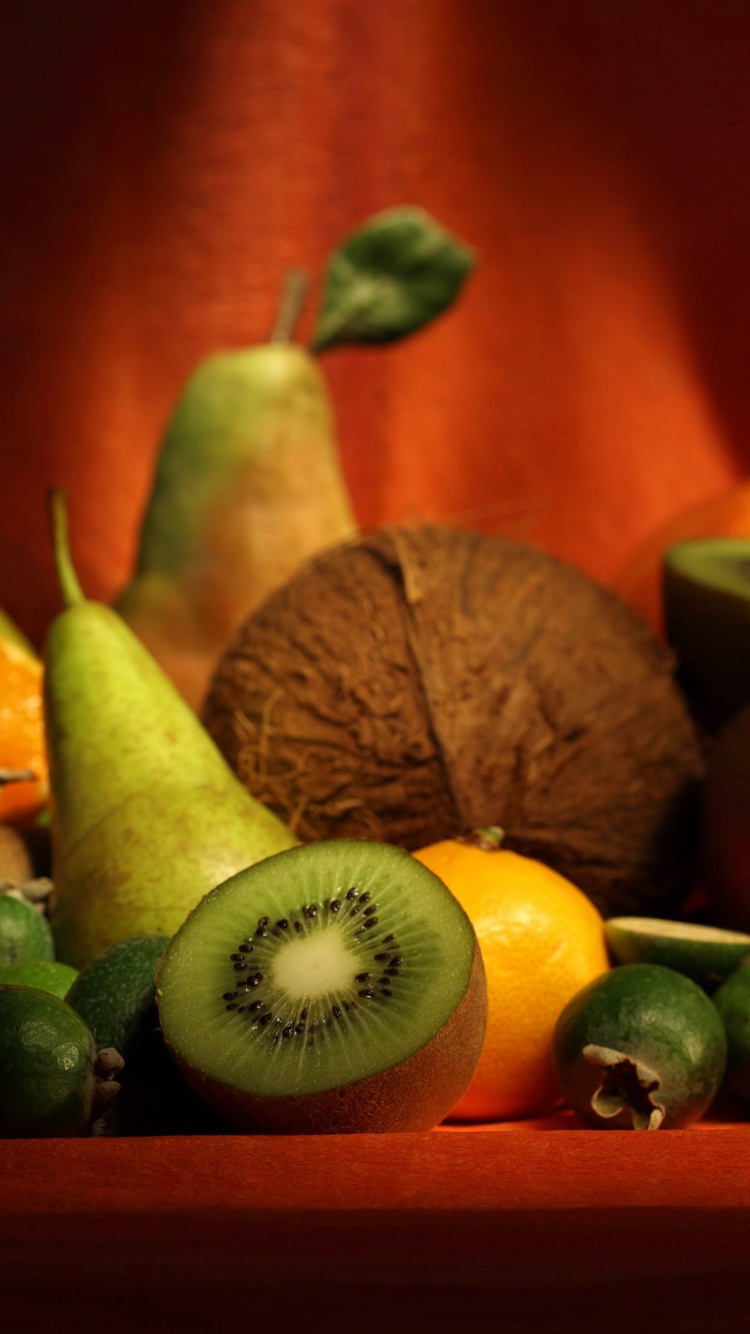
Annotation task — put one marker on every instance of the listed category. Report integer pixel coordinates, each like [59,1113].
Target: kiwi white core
[315,968]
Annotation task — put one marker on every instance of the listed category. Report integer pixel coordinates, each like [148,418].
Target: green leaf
[390,277]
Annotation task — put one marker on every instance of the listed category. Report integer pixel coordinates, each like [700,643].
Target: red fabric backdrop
[162,164]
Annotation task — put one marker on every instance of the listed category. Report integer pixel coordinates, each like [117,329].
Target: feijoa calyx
[335,987]
[421,682]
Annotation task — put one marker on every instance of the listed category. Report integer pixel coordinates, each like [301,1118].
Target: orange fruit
[21,732]
[542,940]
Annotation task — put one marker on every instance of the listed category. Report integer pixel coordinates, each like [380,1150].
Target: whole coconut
[421,682]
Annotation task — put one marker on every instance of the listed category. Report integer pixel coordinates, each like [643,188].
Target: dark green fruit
[725,823]
[115,995]
[45,974]
[732,1000]
[334,987]
[707,621]
[116,992]
[640,1048]
[24,933]
[708,954]
[48,1076]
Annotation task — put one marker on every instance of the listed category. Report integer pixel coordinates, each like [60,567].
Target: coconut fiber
[421,682]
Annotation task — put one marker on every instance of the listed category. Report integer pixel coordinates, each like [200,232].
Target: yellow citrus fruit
[542,940]
[21,732]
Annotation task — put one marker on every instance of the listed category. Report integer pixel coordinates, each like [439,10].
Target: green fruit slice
[640,1048]
[24,933]
[47,1056]
[707,954]
[45,974]
[732,1001]
[337,986]
[706,587]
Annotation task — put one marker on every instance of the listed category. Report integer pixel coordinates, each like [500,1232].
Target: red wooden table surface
[539,1226]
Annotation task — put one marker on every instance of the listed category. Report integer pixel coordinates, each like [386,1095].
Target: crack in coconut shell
[418,683]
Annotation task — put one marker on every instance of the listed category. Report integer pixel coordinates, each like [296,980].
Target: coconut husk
[421,682]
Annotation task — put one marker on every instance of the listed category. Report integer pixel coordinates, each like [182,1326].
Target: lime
[732,1000]
[47,1057]
[640,1048]
[45,974]
[708,954]
[24,933]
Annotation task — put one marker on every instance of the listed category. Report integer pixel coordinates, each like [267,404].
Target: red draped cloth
[163,164]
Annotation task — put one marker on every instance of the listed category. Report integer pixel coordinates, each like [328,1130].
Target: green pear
[146,815]
[248,483]
[247,486]
[706,584]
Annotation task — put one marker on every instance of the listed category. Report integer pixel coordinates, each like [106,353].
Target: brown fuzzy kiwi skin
[413,1096]
[422,682]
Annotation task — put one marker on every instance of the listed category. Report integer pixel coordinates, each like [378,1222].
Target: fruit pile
[432,833]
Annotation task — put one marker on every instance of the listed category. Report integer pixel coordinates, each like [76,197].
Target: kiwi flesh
[334,987]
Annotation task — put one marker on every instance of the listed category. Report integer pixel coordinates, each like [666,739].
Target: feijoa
[116,991]
[46,974]
[338,986]
[25,934]
[47,1066]
[115,995]
[640,1048]
[732,1000]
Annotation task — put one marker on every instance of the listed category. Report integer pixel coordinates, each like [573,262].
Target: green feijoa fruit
[708,954]
[47,1066]
[115,995]
[732,1001]
[640,1048]
[334,987]
[45,974]
[25,934]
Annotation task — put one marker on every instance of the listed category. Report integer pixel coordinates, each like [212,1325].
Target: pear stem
[58,512]
[292,302]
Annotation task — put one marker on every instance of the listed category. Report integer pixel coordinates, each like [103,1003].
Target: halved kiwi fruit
[333,987]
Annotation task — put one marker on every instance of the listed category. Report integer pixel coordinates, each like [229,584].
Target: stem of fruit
[58,513]
[488,839]
[291,304]
[16,776]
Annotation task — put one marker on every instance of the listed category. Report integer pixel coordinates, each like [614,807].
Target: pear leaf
[390,277]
